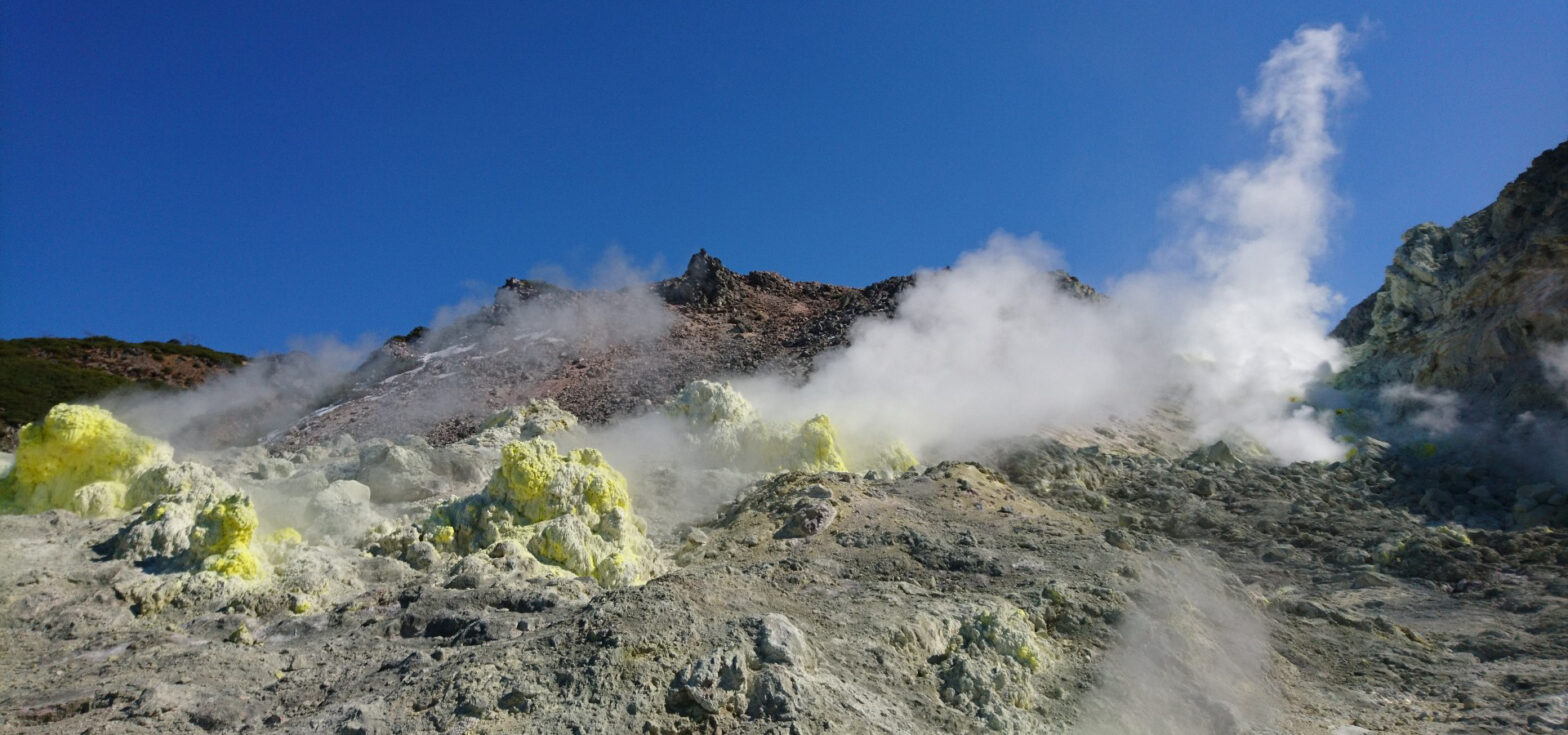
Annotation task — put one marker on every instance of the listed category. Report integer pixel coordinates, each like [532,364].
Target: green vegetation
[37,373]
[77,349]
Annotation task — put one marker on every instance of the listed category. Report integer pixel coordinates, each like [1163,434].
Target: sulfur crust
[1007,630]
[81,459]
[727,427]
[218,525]
[571,512]
[77,458]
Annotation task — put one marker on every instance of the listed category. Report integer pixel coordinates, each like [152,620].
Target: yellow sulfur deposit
[572,512]
[539,418]
[77,458]
[897,458]
[541,484]
[726,425]
[206,527]
[817,446]
[80,458]
[1007,630]
[284,537]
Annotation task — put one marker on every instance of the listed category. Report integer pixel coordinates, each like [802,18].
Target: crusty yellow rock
[540,484]
[204,525]
[724,425]
[896,457]
[78,458]
[1007,630]
[727,427]
[572,512]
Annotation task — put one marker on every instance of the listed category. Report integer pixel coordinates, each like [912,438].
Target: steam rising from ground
[517,340]
[268,393]
[990,347]
[502,334]
[1193,660]
[993,347]
[1435,412]
[1554,360]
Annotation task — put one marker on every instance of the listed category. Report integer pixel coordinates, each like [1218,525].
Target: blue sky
[242,173]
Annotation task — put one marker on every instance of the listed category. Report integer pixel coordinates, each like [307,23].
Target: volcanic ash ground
[505,583]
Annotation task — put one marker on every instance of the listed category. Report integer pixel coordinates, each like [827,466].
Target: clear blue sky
[240,173]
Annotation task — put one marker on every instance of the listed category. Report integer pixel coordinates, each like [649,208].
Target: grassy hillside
[37,373]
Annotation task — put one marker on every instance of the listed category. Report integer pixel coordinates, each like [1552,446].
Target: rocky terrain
[487,570]
[1053,589]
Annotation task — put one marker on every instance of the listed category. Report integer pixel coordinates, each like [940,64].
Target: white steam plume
[1193,659]
[1434,412]
[502,343]
[267,394]
[1554,360]
[1250,320]
[991,347]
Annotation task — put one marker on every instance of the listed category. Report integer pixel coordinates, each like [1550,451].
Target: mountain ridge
[719,323]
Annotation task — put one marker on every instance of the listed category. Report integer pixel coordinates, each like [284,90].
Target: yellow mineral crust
[208,527]
[897,458]
[538,483]
[539,418]
[1007,630]
[78,458]
[725,426]
[572,512]
[818,446]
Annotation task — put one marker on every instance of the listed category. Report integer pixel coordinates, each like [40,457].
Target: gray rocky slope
[1469,307]
[1067,591]
[1107,580]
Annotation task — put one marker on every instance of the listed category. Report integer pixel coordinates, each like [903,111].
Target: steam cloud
[990,347]
[267,394]
[1554,359]
[1435,412]
[1193,660]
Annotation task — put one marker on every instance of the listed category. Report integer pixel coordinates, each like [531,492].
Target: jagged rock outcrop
[1469,307]
[706,282]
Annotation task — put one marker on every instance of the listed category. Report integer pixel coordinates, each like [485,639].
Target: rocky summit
[456,538]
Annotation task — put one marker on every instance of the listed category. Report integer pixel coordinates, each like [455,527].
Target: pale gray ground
[1069,589]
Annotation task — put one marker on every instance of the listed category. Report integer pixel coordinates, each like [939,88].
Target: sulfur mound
[411,469]
[541,417]
[78,458]
[1007,630]
[571,512]
[728,428]
[991,666]
[203,525]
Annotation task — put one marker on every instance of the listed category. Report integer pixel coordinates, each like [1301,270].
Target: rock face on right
[1470,307]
